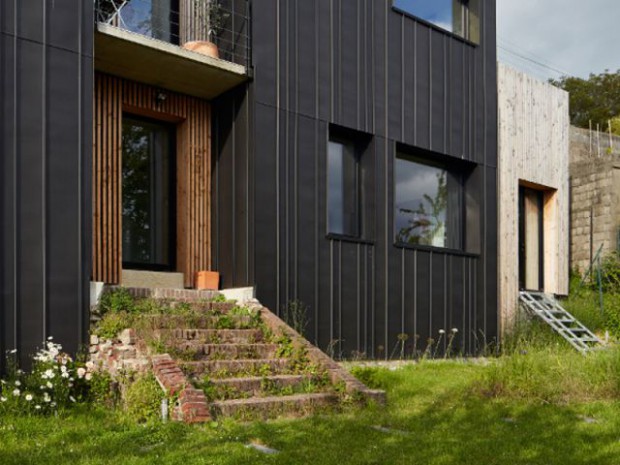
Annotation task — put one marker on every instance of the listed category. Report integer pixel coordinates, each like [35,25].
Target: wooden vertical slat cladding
[113,98]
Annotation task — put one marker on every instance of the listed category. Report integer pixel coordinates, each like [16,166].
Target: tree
[596,99]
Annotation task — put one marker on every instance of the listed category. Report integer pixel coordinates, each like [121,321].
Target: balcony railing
[223,22]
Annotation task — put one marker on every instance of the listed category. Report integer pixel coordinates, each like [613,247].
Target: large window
[427,203]
[457,16]
[343,191]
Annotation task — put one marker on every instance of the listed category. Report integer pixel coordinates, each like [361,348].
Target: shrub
[56,382]
[143,397]
[552,375]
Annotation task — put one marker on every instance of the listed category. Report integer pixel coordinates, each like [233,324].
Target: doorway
[148,195]
[531,239]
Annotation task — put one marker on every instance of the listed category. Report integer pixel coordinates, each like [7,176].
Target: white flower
[2,381]
[455,330]
[65,375]
[14,351]
[18,383]
[46,398]
[28,397]
[442,331]
[72,399]
[88,376]
[50,338]
[90,365]
[63,369]
[2,399]
[50,385]
[53,404]
[16,392]
[81,372]
[38,407]
[49,374]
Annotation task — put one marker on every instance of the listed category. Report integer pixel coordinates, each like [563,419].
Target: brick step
[236,368]
[265,408]
[201,322]
[216,336]
[262,386]
[206,306]
[227,351]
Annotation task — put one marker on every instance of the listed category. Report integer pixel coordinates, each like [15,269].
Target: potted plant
[206,19]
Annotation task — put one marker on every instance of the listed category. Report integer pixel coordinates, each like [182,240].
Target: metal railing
[223,22]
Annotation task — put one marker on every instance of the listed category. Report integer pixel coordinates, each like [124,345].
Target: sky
[549,38]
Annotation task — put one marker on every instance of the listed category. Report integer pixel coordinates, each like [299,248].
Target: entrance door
[531,240]
[148,217]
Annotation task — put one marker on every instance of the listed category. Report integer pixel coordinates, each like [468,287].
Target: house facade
[340,153]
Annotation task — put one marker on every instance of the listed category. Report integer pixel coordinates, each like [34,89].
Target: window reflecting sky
[438,12]
[420,203]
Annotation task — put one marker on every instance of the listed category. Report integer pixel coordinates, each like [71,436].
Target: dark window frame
[459,169]
[362,146]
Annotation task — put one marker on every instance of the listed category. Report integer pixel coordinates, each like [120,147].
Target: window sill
[351,239]
[430,248]
[435,27]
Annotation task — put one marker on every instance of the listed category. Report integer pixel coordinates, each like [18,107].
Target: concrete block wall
[595,195]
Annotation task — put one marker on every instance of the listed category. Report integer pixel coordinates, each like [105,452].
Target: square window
[428,201]
[460,17]
[343,191]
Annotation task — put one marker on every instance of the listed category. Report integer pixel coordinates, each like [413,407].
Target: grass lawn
[431,418]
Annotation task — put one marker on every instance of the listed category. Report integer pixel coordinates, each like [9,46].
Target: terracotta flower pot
[209,280]
[202,46]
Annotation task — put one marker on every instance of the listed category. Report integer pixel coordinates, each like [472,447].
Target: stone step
[265,408]
[261,386]
[216,336]
[199,351]
[238,368]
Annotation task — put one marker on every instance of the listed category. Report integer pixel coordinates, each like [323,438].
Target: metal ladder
[562,322]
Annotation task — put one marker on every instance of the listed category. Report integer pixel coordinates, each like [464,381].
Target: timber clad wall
[534,136]
[363,66]
[45,142]
[113,98]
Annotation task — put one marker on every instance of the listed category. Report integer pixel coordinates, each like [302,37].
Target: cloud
[572,36]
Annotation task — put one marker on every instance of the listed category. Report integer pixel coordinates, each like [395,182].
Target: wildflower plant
[56,382]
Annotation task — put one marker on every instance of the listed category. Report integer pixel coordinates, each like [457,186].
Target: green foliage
[56,382]
[368,376]
[116,301]
[142,398]
[112,324]
[596,99]
[552,375]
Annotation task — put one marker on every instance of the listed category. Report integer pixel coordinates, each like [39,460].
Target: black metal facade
[46,96]
[360,65]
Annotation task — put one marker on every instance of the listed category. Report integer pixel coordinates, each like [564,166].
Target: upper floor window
[460,17]
[158,19]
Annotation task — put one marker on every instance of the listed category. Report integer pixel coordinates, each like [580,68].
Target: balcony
[143,40]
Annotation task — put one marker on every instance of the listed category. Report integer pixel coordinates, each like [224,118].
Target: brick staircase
[224,360]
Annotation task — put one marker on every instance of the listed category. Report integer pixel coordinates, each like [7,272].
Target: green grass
[435,415]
